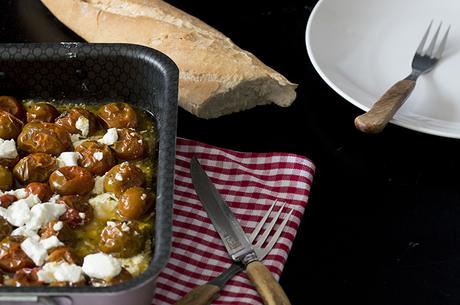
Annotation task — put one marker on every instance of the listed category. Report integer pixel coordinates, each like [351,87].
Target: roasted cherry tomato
[134,203]
[122,239]
[10,126]
[12,105]
[35,168]
[63,253]
[42,190]
[118,115]
[78,121]
[123,176]
[130,145]
[71,180]
[44,137]
[25,277]
[42,112]
[6,179]
[12,258]
[96,157]
[5,228]
[9,163]
[79,212]
[6,200]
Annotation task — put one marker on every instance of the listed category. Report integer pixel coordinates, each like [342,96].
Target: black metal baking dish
[78,72]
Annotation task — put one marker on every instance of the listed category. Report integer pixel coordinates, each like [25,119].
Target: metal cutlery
[244,254]
[375,120]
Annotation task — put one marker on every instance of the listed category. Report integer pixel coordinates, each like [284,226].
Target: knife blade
[235,240]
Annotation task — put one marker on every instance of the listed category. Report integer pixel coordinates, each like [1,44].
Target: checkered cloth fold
[249,183]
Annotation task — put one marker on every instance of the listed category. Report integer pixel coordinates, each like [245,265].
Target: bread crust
[216,77]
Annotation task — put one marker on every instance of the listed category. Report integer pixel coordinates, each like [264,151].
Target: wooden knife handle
[383,110]
[201,295]
[268,288]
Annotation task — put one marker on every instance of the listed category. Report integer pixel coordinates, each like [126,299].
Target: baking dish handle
[41,300]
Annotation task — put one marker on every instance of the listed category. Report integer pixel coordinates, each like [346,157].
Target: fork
[375,120]
[205,294]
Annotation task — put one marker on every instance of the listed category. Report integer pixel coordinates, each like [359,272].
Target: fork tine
[442,46]
[277,234]
[425,36]
[429,51]
[267,231]
[261,223]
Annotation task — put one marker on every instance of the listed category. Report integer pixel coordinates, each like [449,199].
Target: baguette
[216,77]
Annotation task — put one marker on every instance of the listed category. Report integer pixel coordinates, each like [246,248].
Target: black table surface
[383,221]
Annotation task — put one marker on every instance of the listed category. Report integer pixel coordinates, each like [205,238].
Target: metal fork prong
[261,223]
[425,36]
[270,226]
[429,51]
[263,252]
[442,45]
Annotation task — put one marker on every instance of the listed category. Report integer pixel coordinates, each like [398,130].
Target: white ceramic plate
[362,47]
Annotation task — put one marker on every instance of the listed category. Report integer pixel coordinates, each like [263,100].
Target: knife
[236,242]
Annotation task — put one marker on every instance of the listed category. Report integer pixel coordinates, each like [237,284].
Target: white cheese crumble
[101,266]
[110,137]
[43,213]
[19,193]
[23,231]
[125,227]
[34,250]
[68,158]
[51,242]
[8,149]
[98,155]
[58,226]
[118,177]
[18,213]
[82,215]
[60,272]
[98,185]
[75,137]
[82,124]
[104,205]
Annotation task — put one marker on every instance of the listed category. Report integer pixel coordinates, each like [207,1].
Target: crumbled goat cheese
[34,250]
[98,155]
[68,158]
[125,227]
[8,149]
[43,213]
[18,213]
[98,185]
[51,242]
[101,266]
[110,137]
[82,124]
[75,137]
[118,177]
[104,205]
[58,226]
[60,272]
[23,231]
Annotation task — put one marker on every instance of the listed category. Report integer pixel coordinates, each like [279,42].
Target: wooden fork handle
[200,295]
[375,120]
[269,289]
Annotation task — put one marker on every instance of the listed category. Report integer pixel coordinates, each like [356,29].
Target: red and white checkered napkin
[249,183]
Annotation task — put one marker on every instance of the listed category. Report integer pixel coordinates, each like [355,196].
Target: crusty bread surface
[216,77]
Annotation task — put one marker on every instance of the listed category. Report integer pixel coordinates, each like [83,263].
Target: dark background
[382,224]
